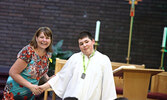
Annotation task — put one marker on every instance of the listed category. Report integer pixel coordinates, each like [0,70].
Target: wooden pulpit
[136,81]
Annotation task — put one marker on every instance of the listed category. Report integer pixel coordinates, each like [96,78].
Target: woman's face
[43,41]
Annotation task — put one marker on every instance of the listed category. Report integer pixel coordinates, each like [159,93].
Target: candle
[164,37]
[97,31]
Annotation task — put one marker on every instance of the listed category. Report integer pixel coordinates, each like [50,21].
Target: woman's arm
[15,71]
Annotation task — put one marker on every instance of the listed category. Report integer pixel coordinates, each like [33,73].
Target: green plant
[58,53]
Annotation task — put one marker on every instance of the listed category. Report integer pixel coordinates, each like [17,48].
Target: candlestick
[162,58]
[96,44]
[164,37]
[97,31]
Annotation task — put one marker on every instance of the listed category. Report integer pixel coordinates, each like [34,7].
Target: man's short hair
[85,34]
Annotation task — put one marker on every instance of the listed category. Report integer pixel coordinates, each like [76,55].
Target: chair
[58,66]
[158,87]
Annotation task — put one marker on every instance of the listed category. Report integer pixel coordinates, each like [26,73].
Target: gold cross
[135,1]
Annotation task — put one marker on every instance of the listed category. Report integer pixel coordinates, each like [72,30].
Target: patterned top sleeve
[25,54]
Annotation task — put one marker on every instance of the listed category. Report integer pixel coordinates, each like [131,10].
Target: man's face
[86,46]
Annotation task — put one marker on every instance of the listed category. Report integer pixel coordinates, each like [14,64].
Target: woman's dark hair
[47,32]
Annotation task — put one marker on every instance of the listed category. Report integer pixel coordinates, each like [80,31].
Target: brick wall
[19,19]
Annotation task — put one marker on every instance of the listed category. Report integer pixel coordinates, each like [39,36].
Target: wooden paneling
[159,83]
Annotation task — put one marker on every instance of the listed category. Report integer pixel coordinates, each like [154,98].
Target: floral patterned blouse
[37,67]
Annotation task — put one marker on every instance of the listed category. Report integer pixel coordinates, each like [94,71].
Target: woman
[31,64]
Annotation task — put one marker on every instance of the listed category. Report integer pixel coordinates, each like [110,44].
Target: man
[87,75]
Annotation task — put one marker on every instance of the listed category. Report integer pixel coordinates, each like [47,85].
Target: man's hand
[36,90]
[44,86]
